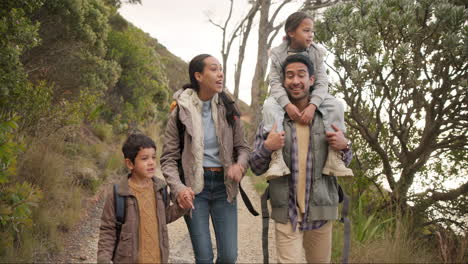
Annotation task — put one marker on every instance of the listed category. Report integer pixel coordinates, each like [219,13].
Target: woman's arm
[241,148]
[171,154]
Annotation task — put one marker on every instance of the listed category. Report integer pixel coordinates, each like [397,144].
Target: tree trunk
[258,81]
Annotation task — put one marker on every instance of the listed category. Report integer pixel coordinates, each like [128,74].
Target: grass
[258,182]
[68,169]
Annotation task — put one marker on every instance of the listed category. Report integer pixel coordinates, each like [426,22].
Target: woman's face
[211,79]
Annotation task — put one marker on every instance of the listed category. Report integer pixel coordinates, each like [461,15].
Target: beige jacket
[127,249]
[233,147]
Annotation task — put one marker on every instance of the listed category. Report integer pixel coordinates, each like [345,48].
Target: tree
[245,32]
[402,70]
[266,33]
[239,29]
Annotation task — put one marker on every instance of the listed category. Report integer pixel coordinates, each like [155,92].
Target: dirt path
[81,245]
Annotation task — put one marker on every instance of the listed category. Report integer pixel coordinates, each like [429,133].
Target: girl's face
[302,37]
[211,79]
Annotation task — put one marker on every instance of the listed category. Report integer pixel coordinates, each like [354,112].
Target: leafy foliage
[65,64]
[402,68]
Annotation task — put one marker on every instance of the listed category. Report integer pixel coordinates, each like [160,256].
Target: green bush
[103,131]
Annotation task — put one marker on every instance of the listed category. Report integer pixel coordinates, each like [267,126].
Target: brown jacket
[232,145]
[127,249]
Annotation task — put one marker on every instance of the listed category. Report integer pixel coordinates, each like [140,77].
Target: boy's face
[144,165]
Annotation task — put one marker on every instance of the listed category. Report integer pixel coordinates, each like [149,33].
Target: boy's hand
[235,172]
[293,112]
[185,198]
[275,140]
[308,114]
[336,140]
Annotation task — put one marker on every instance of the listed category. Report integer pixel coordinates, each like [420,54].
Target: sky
[182,27]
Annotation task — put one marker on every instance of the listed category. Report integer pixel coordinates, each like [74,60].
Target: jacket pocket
[125,246]
[325,191]
[279,192]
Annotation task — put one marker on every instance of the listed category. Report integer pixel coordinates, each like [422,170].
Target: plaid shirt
[259,163]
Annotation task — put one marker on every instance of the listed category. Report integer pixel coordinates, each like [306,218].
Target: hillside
[176,71]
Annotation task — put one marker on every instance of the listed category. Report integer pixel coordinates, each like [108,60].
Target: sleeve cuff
[316,100]
[283,101]
[264,152]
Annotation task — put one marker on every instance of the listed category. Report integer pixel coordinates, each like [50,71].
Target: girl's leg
[272,112]
[333,114]
[224,218]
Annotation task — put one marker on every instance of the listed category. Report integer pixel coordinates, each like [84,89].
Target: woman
[204,137]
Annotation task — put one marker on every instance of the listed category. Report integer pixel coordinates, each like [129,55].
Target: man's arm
[171,154]
[260,157]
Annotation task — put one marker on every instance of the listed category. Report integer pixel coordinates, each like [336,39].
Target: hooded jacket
[233,147]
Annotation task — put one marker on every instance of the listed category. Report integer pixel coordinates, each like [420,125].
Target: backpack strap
[347,225]
[181,130]
[247,201]
[265,223]
[119,206]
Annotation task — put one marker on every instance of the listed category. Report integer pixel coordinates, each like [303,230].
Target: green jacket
[323,201]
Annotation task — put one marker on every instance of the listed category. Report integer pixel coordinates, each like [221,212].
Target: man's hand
[293,112]
[336,139]
[235,172]
[275,140]
[185,198]
[307,115]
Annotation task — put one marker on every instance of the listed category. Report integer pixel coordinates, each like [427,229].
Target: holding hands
[235,172]
[185,198]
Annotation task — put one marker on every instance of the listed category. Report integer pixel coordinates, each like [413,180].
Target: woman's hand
[235,172]
[185,198]
[307,115]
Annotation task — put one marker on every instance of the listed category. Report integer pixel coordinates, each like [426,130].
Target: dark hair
[299,58]
[134,143]
[293,21]
[197,64]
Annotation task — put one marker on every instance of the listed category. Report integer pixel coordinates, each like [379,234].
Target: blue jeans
[213,201]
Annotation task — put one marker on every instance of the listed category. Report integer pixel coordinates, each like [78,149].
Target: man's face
[297,81]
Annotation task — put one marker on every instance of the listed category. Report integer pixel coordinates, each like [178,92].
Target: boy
[143,236]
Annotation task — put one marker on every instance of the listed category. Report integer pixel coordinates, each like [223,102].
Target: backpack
[120,212]
[181,130]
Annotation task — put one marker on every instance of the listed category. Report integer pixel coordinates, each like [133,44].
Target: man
[304,202]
